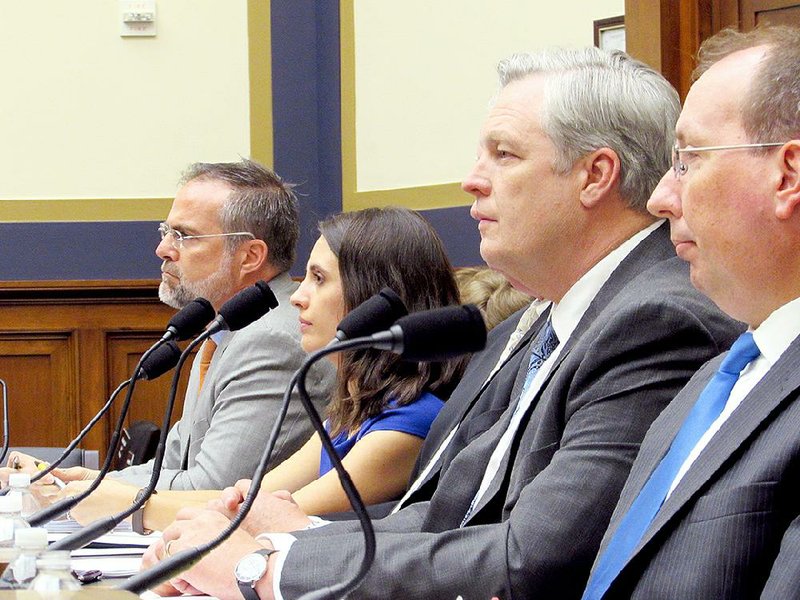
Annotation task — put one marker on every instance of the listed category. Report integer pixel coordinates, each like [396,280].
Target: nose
[299,299]
[165,250]
[476,182]
[665,201]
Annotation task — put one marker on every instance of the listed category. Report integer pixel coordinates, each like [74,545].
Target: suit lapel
[766,398]
[654,248]
[498,482]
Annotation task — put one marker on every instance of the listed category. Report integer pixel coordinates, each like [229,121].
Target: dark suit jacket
[537,529]
[731,528]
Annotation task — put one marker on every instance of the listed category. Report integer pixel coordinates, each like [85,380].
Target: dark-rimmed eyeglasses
[679,167]
[178,238]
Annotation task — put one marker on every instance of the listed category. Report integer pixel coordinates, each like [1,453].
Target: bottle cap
[11,503]
[18,480]
[34,537]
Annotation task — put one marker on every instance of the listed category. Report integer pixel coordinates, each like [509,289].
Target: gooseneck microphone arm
[5,423]
[179,562]
[78,539]
[240,311]
[163,359]
[432,335]
[65,504]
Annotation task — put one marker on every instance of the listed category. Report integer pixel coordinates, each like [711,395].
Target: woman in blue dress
[382,407]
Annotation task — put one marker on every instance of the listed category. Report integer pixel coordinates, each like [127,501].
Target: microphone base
[95,592]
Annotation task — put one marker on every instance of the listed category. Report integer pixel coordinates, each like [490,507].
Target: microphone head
[247,306]
[190,320]
[377,313]
[441,333]
[160,361]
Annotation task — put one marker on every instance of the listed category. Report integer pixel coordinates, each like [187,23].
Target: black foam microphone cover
[247,306]
[160,361]
[441,333]
[190,320]
[377,313]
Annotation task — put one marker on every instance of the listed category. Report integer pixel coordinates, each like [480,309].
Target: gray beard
[216,288]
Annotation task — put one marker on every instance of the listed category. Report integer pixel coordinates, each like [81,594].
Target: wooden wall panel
[65,345]
[667,33]
[150,397]
[38,371]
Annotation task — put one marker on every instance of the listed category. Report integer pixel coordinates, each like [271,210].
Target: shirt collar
[567,314]
[778,331]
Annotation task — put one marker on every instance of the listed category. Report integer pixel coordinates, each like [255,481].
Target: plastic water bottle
[10,522]
[54,574]
[30,544]
[20,483]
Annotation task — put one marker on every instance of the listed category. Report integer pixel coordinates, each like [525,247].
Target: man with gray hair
[231,224]
[521,478]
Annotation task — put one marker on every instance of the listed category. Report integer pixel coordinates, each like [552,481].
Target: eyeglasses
[679,167]
[178,238]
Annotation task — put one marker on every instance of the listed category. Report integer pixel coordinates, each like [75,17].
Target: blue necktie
[543,347]
[705,411]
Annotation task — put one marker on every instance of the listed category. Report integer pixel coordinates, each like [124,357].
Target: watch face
[251,568]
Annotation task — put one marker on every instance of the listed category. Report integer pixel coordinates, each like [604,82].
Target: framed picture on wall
[609,34]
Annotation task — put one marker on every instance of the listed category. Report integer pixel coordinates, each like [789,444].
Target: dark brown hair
[376,248]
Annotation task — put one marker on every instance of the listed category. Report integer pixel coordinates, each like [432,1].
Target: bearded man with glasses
[230,225]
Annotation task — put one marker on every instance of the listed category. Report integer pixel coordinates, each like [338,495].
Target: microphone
[374,314]
[434,335]
[5,423]
[247,306]
[193,317]
[413,333]
[244,308]
[189,321]
[159,362]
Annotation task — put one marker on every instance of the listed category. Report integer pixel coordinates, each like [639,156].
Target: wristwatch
[249,571]
[137,518]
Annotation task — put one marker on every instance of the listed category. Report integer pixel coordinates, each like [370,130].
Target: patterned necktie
[543,347]
[206,354]
[635,522]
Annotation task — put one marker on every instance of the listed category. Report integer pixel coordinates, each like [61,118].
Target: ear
[253,256]
[600,176]
[787,196]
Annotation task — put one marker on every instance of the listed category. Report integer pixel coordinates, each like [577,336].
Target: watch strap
[137,518]
[248,588]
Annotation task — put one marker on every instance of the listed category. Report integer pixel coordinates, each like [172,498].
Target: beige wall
[424,72]
[85,113]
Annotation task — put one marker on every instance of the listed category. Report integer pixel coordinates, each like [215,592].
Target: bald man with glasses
[230,225]
[710,509]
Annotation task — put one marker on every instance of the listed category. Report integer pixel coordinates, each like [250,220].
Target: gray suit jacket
[223,430]
[537,529]
[731,528]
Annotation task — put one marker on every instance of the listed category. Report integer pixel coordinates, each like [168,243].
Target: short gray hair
[600,99]
[260,203]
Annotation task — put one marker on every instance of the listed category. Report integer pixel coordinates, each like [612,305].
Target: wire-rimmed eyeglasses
[679,167]
[178,237]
